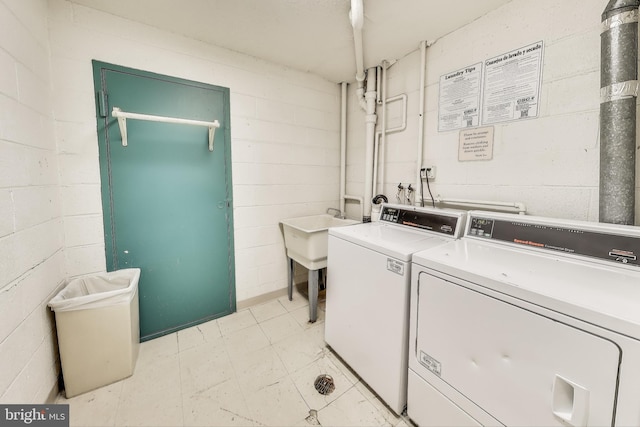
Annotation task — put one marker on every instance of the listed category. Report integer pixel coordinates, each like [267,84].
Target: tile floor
[255,367]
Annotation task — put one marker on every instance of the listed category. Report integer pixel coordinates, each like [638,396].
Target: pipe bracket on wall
[123,116]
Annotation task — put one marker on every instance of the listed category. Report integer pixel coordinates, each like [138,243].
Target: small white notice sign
[476,144]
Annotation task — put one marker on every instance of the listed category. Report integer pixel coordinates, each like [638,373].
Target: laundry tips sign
[500,89]
[459,103]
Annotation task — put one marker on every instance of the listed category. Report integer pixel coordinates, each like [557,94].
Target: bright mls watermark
[34,415]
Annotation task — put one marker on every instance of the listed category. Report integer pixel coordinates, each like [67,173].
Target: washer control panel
[481,227]
[607,242]
[428,219]
[390,214]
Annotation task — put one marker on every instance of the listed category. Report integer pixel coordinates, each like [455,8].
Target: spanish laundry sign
[501,89]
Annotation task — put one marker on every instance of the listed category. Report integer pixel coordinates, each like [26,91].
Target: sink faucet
[336,212]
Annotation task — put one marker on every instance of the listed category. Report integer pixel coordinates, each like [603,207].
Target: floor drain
[324,384]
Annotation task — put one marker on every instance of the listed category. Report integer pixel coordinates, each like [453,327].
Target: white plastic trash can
[98,329]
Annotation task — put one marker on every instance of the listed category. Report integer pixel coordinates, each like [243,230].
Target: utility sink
[305,238]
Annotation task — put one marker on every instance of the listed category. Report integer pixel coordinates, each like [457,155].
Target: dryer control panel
[603,241]
[428,219]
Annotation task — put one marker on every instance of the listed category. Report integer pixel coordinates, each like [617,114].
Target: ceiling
[308,35]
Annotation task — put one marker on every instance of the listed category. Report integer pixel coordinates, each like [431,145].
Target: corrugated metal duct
[618,93]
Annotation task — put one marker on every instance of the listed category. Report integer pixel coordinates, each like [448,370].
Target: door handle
[570,402]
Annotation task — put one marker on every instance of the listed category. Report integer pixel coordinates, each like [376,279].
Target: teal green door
[167,198]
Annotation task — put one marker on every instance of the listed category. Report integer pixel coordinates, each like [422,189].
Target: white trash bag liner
[97,291]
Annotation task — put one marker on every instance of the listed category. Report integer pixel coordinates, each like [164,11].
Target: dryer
[527,321]
[367,297]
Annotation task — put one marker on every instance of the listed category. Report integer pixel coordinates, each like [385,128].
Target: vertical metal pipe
[618,93]
[356,16]
[343,147]
[423,81]
[382,138]
[370,134]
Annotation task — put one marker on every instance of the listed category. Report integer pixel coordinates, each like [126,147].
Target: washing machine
[368,284]
[527,321]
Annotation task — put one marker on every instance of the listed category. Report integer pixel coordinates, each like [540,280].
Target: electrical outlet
[431,172]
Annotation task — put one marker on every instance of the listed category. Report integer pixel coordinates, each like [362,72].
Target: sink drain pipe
[618,93]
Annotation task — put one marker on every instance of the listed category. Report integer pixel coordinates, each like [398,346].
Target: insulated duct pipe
[618,93]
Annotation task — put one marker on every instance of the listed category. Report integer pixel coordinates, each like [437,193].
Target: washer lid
[604,295]
[394,241]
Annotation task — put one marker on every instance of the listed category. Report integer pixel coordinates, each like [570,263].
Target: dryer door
[517,365]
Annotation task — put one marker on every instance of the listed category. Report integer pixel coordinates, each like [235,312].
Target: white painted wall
[550,163]
[284,130]
[31,242]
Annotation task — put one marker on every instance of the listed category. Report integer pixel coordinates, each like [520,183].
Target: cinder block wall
[31,237]
[284,131]
[551,163]
[285,153]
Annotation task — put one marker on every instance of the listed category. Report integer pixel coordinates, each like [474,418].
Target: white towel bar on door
[123,116]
